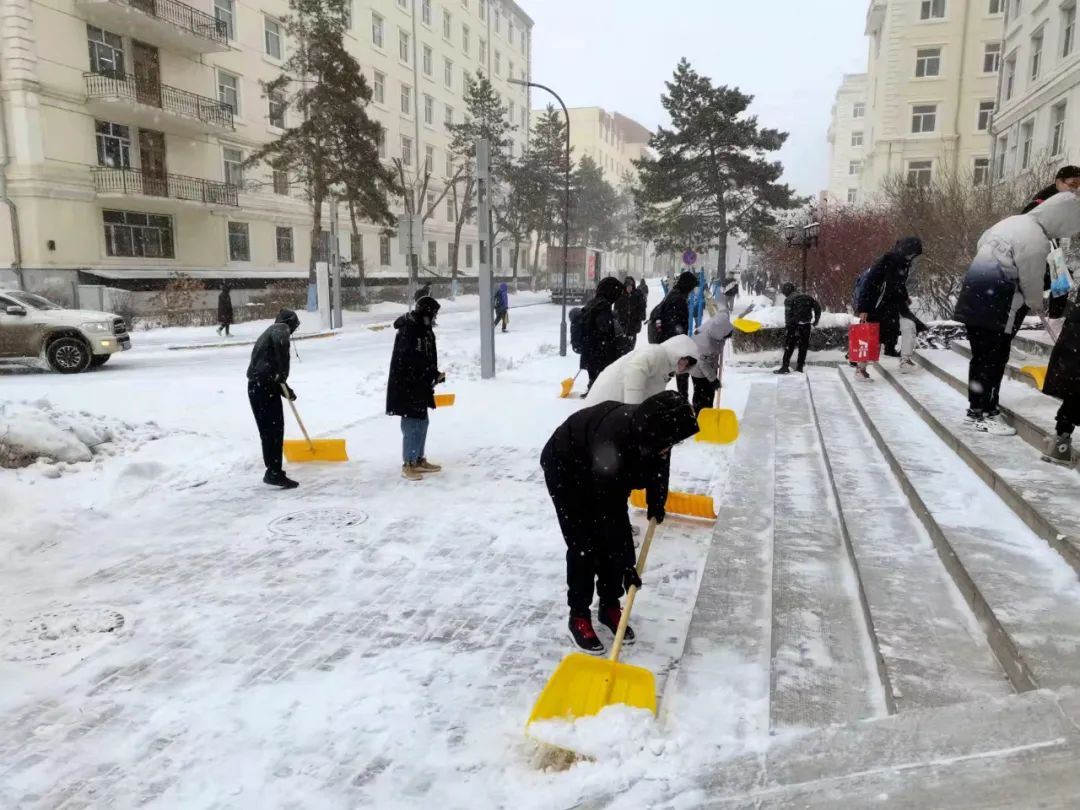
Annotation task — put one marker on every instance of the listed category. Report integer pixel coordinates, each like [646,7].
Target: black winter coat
[670,317]
[801,308]
[630,312]
[884,294]
[414,369]
[270,355]
[1041,197]
[601,334]
[1063,371]
[225,308]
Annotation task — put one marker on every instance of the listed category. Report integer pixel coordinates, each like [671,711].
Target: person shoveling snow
[267,372]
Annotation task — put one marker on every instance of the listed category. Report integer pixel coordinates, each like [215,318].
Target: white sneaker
[862,375]
[988,424]
[907,364]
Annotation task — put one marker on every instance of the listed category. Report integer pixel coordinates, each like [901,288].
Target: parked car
[69,340]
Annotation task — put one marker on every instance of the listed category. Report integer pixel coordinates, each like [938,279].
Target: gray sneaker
[1059,450]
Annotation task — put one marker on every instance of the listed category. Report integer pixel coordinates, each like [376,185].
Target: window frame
[227,16]
[984,170]
[378,30]
[1058,127]
[926,58]
[124,143]
[239,242]
[861,134]
[855,168]
[232,171]
[404,46]
[222,88]
[285,231]
[406,106]
[99,48]
[112,231]
[1068,30]
[279,34]
[280,188]
[928,111]
[920,168]
[982,111]
[378,87]
[1035,64]
[386,256]
[273,99]
[858,110]
[927,7]
[991,52]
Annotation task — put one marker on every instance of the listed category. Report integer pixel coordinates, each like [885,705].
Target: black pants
[888,334]
[797,336]
[1068,415]
[682,383]
[989,356]
[704,392]
[265,399]
[599,547]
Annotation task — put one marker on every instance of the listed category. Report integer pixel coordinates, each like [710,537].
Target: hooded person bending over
[603,338]
[591,464]
[267,375]
[644,372]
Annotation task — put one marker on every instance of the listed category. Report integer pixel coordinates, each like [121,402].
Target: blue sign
[689,258]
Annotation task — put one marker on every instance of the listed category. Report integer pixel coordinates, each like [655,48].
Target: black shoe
[279,479]
[782,370]
[799,369]
[581,630]
[610,616]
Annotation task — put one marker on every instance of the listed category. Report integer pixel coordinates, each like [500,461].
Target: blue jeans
[413,438]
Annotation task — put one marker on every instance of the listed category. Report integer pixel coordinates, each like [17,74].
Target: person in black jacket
[602,335]
[1063,381]
[224,309]
[414,373]
[883,299]
[801,314]
[671,317]
[591,464]
[267,373]
[1067,179]
[629,312]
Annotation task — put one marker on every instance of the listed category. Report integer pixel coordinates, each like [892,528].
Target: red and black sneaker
[581,630]
[610,616]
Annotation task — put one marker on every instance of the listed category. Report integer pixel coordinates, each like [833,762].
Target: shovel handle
[616,648]
[296,413]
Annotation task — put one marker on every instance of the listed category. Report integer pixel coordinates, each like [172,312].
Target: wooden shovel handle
[616,648]
[296,413]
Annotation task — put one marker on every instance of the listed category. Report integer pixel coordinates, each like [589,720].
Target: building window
[919,173]
[403,46]
[430,209]
[283,240]
[980,172]
[449,163]
[498,258]
[852,196]
[996,6]
[382,142]
[468,256]
[927,62]
[991,57]
[1027,139]
[1068,29]
[429,165]
[986,111]
[429,109]
[510,68]
[447,22]
[498,19]
[132,234]
[406,150]
[923,118]
[523,46]
[1057,129]
[857,138]
[272,37]
[281,182]
[451,214]
[232,160]
[226,13]
[524,117]
[498,63]
[406,99]
[228,90]
[113,145]
[1010,76]
[347,14]
[376,30]
[432,253]
[858,110]
[427,60]
[510,30]
[403,4]
[932,10]
[276,110]
[448,119]
[448,73]
[465,39]
[483,52]
[106,51]
[854,167]
[1036,55]
[425,11]
[510,110]
[482,8]
[999,157]
[378,91]
[239,242]
[384,250]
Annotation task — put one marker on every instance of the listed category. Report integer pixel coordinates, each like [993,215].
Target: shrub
[173,303]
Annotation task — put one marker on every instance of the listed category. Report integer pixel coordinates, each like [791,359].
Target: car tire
[99,360]
[68,355]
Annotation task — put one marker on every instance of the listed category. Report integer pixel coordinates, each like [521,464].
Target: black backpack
[577,330]
[656,317]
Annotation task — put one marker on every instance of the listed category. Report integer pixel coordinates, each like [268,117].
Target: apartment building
[847,140]
[126,123]
[594,132]
[931,83]
[1039,96]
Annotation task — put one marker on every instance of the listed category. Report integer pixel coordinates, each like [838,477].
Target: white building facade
[847,141]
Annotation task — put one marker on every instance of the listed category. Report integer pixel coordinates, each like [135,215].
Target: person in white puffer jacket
[645,372]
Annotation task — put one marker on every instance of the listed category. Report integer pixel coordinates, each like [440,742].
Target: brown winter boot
[411,472]
[425,466]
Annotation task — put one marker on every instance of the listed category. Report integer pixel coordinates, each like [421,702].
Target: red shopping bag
[864,343]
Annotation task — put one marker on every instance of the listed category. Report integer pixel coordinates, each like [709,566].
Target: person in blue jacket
[502,306]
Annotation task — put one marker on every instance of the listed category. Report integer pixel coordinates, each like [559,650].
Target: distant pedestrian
[802,313]
[630,313]
[224,309]
[1066,179]
[672,317]
[645,372]
[881,297]
[1003,284]
[502,306]
[267,372]
[410,391]
[711,340]
[601,332]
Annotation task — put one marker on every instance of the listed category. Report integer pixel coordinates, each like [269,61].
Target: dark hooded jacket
[1063,371]
[602,334]
[671,316]
[883,294]
[270,355]
[414,364]
[630,309]
[224,307]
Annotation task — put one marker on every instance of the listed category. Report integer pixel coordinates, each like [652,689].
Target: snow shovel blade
[1038,372]
[445,400]
[567,387]
[680,503]
[583,685]
[717,426]
[298,450]
[746,325]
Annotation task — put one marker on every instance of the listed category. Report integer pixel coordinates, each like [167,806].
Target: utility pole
[484,281]
[335,264]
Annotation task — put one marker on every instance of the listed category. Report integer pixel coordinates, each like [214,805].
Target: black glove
[920,326]
[289,393]
[656,513]
[441,378]
[630,577]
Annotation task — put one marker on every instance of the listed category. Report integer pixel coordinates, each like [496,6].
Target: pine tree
[544,168]
[712,175]
[594,204]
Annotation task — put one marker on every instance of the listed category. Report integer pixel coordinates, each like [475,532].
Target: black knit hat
[427,306]
[609,289]
[1067,173]
[686,282]
[664,420]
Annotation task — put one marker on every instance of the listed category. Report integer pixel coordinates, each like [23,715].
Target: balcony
[168,24]
[128,99]
[163,192]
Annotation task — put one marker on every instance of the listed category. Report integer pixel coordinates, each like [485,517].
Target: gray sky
[788,54]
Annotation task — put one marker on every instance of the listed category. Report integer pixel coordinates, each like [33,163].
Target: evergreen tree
[544,167]
[712,175]
[594,204]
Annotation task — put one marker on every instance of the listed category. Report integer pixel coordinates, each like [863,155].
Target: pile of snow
[774,317]
[618,732]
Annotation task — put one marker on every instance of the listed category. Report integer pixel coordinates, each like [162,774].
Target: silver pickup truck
[69,340]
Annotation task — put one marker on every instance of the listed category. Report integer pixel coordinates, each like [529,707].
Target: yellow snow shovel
[717,425]
[583,685]
[568,385]
[1038,372]
[311,449]
[680,503]
[445,400]
[745,325]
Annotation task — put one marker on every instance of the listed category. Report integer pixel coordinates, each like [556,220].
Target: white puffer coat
[643,373]
[710,341]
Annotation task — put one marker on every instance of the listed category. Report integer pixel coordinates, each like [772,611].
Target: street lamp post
[805,238]
[566,210]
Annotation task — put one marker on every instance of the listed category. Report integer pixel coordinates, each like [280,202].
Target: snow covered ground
[173,633]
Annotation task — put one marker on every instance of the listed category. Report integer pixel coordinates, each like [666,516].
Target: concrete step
[1017,360]
[932,650]
[1042,494]
[1034,342]
[824,667]
[1026,597]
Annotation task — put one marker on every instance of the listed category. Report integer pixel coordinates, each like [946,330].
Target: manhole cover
[57,632]
[327,521]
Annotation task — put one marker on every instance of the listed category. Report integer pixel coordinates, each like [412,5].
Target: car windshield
[33,301]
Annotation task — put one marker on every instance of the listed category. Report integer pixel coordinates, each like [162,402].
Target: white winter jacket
[643,373]
[710,341]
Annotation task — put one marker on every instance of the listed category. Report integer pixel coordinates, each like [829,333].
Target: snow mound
[618,732]
[774,317]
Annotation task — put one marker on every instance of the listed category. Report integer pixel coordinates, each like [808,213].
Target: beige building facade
[932,79]
[847,141]
[125,123]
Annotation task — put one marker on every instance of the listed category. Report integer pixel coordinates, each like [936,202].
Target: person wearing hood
[711,340]
[591,464]
[645,372]
[671,317]
[502,306]
[882,298]
[268,375]
[802,313]
[410,391]
[224,309]
[629,313]
[1003,284]
[602,338]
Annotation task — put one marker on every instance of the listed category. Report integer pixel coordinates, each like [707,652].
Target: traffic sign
[689,258]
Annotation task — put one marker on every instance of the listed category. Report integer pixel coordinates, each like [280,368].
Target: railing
[155,94]
[175,186]
[183,16]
